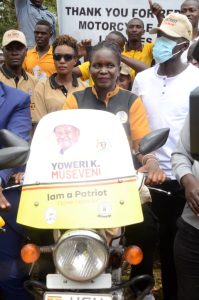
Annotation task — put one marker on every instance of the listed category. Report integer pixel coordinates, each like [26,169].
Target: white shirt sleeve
[136,86]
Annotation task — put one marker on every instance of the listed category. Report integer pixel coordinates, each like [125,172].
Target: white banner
[94,19]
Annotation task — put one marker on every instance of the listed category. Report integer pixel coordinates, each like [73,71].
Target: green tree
[51,4]
[8,17]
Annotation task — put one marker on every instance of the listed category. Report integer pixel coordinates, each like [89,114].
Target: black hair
[196,1]
[65,40]
[45,23]
[106,45]
[119,34]
[136,19]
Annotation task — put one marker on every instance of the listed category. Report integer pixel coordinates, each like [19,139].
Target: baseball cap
[126,70]
[175,25]
[12,36]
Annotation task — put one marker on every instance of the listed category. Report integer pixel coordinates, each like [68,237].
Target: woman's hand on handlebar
[155,175]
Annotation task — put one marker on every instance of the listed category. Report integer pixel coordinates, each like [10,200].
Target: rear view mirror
[16,150]
[153,140]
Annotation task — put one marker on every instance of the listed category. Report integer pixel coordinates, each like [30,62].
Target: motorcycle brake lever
[159,190]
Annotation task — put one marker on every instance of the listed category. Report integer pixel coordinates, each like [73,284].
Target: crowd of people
[150,83]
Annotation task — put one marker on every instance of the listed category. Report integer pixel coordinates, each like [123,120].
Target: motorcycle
[88,264]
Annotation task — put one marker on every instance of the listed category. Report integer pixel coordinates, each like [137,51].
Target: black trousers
[144,235]
[168,209]
[186,251]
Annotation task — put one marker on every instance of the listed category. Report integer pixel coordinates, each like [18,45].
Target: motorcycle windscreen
[80,173]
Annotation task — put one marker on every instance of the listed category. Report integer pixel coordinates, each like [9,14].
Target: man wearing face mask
[189,8]
[165,90]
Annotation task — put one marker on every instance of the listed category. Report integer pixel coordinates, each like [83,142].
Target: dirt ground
[157,290]
[158,285]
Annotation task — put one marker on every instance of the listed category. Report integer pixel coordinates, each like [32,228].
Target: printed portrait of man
[66,136]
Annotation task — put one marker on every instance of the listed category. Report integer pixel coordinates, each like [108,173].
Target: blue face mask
[163,49]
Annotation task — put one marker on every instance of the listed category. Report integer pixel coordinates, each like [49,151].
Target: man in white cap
[189,8]
[11,72]
[165,90]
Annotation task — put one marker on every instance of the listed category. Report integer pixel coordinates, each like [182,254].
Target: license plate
[66,296]
[59,282]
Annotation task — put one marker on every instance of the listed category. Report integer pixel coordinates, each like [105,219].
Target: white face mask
[163,49]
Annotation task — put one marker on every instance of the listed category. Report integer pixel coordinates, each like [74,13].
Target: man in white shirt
[165,90]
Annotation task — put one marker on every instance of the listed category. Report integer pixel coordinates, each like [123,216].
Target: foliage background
[8,16]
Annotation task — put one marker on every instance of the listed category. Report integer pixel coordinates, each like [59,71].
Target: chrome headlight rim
[89,235]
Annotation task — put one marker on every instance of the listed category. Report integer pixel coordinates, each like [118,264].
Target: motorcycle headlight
[81,255]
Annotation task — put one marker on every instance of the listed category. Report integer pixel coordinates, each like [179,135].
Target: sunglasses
[66,57]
